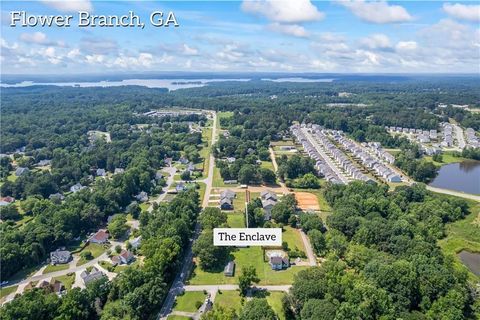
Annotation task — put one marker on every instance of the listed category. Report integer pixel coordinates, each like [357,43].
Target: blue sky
[265,35]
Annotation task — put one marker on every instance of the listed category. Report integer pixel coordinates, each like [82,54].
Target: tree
[281,212]
[267,175]
[247,174]
[32,304]
[257,309]
[318,309]
[118,226]
[311,222]
[212,218]
[87,255]
[248,276]
[318,241]
[185,175]
[9,212]
[211,257]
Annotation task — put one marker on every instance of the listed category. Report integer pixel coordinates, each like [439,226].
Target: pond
[462,176]
[471,261]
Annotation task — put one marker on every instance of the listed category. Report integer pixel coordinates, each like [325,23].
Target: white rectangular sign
[247,237]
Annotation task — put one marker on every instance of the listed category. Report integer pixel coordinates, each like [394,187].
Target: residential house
[229,269]
[118,170]
[125,257]
[56,196]
[278,261]
[60,257]
[43,163]
[230,159]
[142,196]
[168,161]
[183,160]
[91,276]
[21,171]
[101,173]
[180,187]
[226,204]
[136,242]
[101,236]
[4,201]
[76,187]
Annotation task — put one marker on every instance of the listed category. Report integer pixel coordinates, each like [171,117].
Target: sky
[249,36]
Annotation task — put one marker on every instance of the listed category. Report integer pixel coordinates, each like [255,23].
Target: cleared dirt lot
[307,201]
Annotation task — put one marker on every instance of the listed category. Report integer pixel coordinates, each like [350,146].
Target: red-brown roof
[7,199]
[101,235]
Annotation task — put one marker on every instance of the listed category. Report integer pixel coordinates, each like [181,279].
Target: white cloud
[290,11]
[40,38]
[377,12]
[291,29]
[189,51]
[463,11]
[69,5]
[376,41]
[406,46]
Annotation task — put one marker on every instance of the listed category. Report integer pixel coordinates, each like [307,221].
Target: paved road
[171,171]
[308,247]
[187,263]
[232,287]
[454,193]
[275,167]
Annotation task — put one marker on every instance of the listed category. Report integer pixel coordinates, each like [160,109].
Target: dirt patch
[307,201]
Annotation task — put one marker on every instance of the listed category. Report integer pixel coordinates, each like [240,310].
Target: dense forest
[380,246]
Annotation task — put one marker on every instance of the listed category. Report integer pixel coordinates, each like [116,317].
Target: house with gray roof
[60,257]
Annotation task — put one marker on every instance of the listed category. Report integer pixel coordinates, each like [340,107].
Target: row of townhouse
[423,136]
[472,139]
[447,135]
[368,160]
[321,164]
[376,149]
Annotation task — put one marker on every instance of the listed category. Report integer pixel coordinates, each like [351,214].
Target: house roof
[125,254]
[101,235]
[227,194]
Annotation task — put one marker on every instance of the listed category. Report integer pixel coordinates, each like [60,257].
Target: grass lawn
[12,177]
[58,267]
[201,190]
[144,206]
[447,157]
[218,181]
[236,220]
[293,238]
[228,300]
[239,202]
[274,299]
[463,235]
[176,317]
[96,250]
[6,291]
[244,257]
[67,280]
[188,301]
[267,165]
[223,115]
[283,143]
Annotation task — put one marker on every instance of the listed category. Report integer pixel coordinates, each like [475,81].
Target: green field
[96,250]
[236,220]
[187,302]
[228,300]
[447,157]
[244,257]
[221,115]
[67,280]
[144,206]
[463,235]
[274,299]
[6,291]
[267,165]
[218,181]
[293,238]
[175,317]
[58,267]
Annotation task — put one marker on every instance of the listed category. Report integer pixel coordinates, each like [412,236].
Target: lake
[462,176]
[170,84]
[471,260]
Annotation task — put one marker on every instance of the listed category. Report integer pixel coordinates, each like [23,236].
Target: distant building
[60,257]
[269,199]
[101,236]
[118,170]
[100,173]
[142,196]
[229,269]
[21,171]
[76,187]
[5,201]
[43,163]
[183,160]
[56,196]
[136,242]
[125,257]
[180,187]
[226,204]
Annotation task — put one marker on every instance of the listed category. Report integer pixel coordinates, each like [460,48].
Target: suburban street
[187,263]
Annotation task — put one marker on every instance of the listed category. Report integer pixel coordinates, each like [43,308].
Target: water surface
[462,176]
